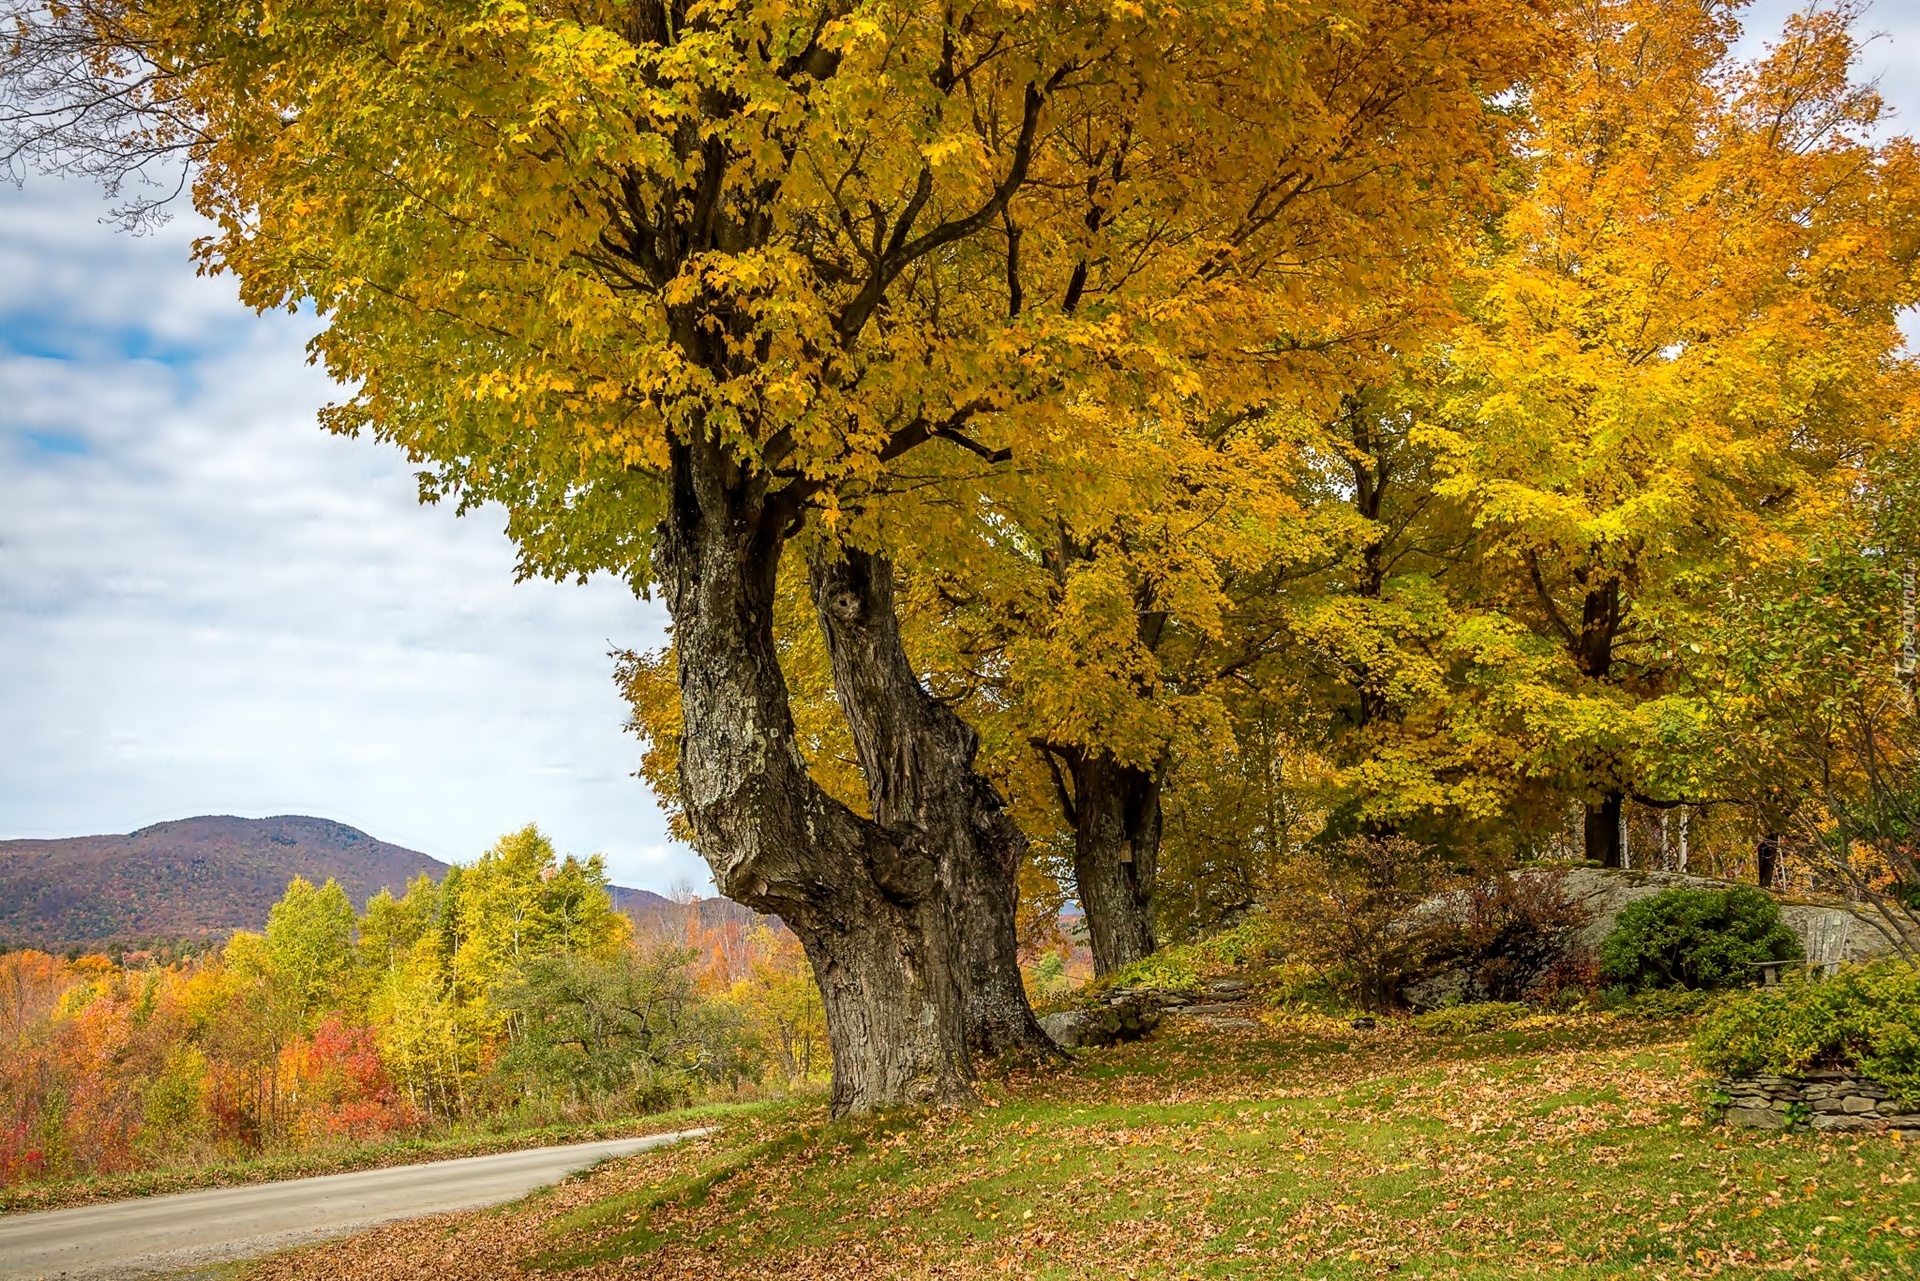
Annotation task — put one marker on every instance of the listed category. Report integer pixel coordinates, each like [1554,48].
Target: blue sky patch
[56,337]
[55,442]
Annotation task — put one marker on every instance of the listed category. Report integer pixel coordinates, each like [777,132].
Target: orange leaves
[338,1088]
[106,1078]
[1654,344]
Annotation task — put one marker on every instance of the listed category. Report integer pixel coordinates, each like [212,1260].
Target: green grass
[1567,1147]
[297,1165]
[622,1226]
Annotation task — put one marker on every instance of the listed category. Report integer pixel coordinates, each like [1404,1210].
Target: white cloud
[207,605]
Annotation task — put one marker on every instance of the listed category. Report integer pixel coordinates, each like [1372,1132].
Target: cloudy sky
[207,605]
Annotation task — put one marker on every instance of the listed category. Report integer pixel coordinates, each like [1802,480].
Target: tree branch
[972,446]
[1546,601]
[1061,790]
[900,252]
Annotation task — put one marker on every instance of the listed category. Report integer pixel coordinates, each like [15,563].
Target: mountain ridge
[195,880]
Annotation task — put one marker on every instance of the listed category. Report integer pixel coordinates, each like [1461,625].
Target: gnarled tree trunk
[866,906]
[917,757]
[1115,812]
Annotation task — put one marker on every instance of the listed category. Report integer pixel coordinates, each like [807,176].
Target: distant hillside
[199,879]
[637,903]
[195,879]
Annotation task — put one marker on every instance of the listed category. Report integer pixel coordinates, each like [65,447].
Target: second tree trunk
[1115,812]
[1601,830]
[917,758]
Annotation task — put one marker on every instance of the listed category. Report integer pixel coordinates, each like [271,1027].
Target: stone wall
[1118,1016]
[1820,1100]
[1128,1013]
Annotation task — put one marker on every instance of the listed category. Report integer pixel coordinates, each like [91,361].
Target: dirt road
[168,1233]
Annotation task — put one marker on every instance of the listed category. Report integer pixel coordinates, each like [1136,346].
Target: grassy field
[365,1156]
[1564,1147]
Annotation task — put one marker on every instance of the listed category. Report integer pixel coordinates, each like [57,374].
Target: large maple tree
[678,284]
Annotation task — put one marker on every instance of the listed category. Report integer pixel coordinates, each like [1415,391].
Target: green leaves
[309,947]
[1861,1018]
[1697,939]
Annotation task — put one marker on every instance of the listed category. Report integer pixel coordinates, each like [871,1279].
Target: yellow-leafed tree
[1684,345]
[678,283]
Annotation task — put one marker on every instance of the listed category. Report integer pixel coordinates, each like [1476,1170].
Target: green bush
[1655,1005]
[1049,980]
[1181,967]
[629,1032]
[1699,939]
[1303,988]
[1460,1020]
[1864,1018]
[1256,938]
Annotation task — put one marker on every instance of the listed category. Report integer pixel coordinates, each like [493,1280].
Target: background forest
[507,996]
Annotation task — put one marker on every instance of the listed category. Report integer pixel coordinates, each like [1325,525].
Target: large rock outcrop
[1830,930]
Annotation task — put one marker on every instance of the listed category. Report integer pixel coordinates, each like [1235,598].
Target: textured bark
[1114,809]
[1115,813]
[917,758]
[866,907]
[1601,831]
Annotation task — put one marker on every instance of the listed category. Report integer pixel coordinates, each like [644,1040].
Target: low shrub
[1348,908]
[1302,989]
[1696,939]
[1171,969]
[1662,1005]
[1180,967]
[1256,938]
[1865,1018]
[1516,930]
[1461,1020]
[1569,982]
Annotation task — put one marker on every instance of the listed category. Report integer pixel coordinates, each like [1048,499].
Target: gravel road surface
[171,1233]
